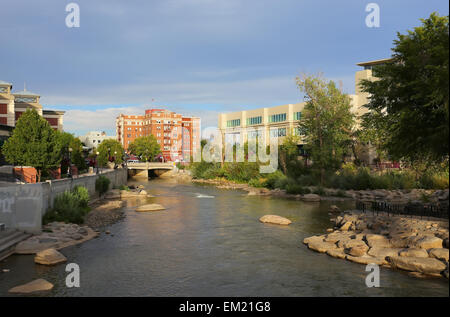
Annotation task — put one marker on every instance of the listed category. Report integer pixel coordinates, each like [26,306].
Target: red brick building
[177,136]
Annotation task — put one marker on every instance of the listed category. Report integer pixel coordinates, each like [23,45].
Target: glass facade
[297,115]
[280,132]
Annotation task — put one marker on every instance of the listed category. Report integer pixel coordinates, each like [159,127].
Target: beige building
[14,104]
[281,121]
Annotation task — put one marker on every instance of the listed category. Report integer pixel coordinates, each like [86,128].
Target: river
[209,242]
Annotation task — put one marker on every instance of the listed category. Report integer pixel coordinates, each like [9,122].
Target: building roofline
[376,62]
[53,112]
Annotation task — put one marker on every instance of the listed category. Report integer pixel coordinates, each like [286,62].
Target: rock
[38,285]
[149,207]
[337,253]
[313,238]
[6,270]
[49,257]
[141,187]
[366,260]
[426,242]
[321,246]
[445,243]
[383,252]
[337,236]
[413,252]
[76,236]
[274,219]
[376,240]
[356,248]
[142,192]
[439,253]
[421,265]
[334,208]
[107,232]
[330,230]
[83,231]
[346,226]
[311,198]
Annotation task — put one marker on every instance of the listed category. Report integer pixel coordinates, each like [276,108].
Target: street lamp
[69,168]
[96,160]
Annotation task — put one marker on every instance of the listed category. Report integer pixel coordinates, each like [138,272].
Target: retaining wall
[23,205]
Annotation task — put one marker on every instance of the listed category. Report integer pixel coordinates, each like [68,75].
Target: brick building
[178,136]
[12,105]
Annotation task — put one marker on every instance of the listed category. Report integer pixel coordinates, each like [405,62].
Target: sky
[195,57]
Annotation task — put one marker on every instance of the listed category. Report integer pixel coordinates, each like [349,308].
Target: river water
[209,242]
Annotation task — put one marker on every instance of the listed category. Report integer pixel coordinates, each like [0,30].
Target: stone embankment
[405,243]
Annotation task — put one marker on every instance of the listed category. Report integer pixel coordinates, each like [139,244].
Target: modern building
[282,120]
[94,138]
[177,135]
[12,105]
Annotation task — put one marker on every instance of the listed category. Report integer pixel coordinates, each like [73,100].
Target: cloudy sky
[197,57]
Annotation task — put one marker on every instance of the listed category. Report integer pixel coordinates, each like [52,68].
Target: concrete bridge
[149,169]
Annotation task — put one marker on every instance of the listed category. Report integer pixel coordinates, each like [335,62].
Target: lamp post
[69,168]
[96,160]
[115,156]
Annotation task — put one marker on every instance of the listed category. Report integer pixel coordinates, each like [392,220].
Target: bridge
[149,169]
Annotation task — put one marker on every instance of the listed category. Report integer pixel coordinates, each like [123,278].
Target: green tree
[33,143]
[409,103]
[327,123]
[110,150]
[288,154]
[69,141]
[145,147]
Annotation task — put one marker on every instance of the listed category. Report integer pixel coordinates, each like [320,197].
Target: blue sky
[197,57]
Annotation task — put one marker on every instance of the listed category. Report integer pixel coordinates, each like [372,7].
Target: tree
[327,123]
[288,154]
[33,143]
[145,147]
[69,141]
[408,104]
[110,150]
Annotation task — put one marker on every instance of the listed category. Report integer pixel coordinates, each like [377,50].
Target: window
[233,123]
[277,117]
[297,115]
[276,133]
[254,120]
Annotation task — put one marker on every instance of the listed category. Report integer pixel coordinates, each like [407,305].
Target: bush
[67,207]
[83,195]
[257,182]
[102,184]
[124,187]
[296,189]
[240,171]
[273,178]
[434,180]
[319,191]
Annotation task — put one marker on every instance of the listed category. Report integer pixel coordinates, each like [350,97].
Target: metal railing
[409,209]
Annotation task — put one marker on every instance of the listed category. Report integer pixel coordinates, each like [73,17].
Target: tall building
[178,136]
[282,120]
[13,105]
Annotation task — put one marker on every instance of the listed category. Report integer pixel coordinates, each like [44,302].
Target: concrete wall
[22,206]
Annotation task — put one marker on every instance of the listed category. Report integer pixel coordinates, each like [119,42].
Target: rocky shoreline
[406,243]
[399,197]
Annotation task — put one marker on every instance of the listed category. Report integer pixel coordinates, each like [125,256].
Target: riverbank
[406,243]
[392,196]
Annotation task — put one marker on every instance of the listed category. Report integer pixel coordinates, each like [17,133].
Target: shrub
[102,184]
[240,171]
[273,178]
[434,180]
[83,195]
[296,189]
[307,180]
[257,182]
[124,187]
[319,191]
[67,207]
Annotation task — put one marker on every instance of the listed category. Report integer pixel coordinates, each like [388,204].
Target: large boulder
[49,257]
[274,219]
[356,247]
[150,207]
[377,240]
[311,198]
[422,265]
[439,253]
[366,260]
[321,246]
[346,226]
[414,252]
[38,285]
[425,242]
[337,253]
[383,252]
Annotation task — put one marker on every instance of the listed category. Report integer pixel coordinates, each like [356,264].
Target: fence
[418,209]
